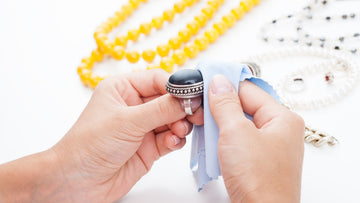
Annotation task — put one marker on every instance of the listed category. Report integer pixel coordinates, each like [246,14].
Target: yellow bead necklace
[117,47]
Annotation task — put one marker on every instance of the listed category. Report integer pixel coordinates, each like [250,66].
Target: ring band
[187,107]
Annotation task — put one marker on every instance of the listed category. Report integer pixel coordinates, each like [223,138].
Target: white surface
[43,41]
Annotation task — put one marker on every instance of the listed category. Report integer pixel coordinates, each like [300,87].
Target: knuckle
[226,100]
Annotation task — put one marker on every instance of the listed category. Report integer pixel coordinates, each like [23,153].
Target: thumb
[160,111]
[224,103]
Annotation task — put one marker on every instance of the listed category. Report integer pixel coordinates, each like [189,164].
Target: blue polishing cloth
[204,154]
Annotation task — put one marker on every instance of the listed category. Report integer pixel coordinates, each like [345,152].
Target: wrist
[35,178]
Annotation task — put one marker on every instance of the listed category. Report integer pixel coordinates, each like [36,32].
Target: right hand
[261,161]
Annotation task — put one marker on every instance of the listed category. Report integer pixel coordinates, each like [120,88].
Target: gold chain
[180,53]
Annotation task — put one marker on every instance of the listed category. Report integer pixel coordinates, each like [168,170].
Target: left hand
[127,125]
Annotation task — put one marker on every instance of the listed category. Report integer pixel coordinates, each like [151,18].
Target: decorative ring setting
[186,84]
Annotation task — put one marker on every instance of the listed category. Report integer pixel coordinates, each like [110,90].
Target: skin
[130,122]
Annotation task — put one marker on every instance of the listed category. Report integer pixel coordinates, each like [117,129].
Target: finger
[198,117]
[181,128]
[150,82]
[225,105]
[161,129]
[167,142]
[258,103]
[158,112]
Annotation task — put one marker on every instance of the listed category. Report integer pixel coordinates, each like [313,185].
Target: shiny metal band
[185,91]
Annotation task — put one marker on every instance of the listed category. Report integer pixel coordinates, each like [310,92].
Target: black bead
[344,16]
[290,16]
[356,34]
[299,28]
[341,39]
[274,21]
[337,48]
[324,2]
[186,77]
[328,18]
[322,45]
[322,39]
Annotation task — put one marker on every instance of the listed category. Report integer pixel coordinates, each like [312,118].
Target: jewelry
[186,84]
[180,53]
[342,42]
[333,62]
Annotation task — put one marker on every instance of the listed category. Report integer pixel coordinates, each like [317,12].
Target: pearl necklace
[334,61]
[302,37]
[173,53]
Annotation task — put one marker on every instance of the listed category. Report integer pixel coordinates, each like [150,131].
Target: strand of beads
[334,62]
[180,54]
[343,42]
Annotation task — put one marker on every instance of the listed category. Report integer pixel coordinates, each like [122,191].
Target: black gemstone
[186,77]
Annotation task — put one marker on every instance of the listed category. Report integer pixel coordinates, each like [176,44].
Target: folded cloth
[204,155]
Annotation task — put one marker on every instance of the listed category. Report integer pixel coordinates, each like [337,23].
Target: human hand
[260,161]
[127,125]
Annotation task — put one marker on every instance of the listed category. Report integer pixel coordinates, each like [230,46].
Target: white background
[41,96]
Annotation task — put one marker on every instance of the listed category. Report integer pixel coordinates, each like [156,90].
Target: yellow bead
[175,42]
[132,56]
[88,60]
[179,7]
[135,3]
[145,28]
[238,12]
[256,2]
[179,57]
[194,27]
[97,55]
[220,27]
[163,50]
[168,15]
[201,19]
[212,35]
[118,52]
[108,46]
[82,67]
[127,9]
[191,50]
[121,15]
[215,3]
[152,66]
[189,2]
[149,55]
[133,34]
[157,22]
[94,81]
[185,34]
[113,21]
[85,76]
[167,64]
[246,5]
[229,20]
[208,11]
[202,42]
[121,40]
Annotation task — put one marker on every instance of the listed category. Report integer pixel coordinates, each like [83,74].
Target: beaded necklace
[174,52]
[303,37]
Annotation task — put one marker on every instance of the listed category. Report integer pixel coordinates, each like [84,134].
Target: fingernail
[176,140]
[220,84]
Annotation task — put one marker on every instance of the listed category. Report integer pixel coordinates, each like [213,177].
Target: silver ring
[187,107]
